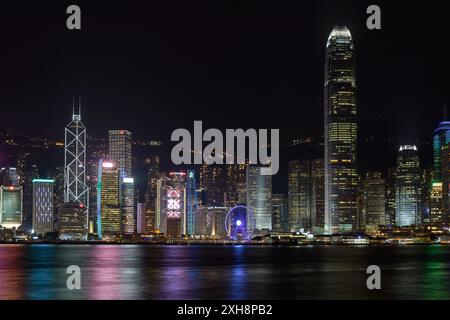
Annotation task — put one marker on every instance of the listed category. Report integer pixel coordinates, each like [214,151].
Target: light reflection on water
[223,272]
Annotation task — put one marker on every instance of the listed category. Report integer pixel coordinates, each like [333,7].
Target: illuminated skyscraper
[75,189]
[43,206]
[340,133]
[154,173]
[171,206]
[127,206]
[374,206]
[235,184]
[140,218]
[299,195]
[259,197]
[191,202]
[108,200]
[408,187]
[280,213]
[10,207]
[390,196]
[317,196]
[441,206]
[120,150]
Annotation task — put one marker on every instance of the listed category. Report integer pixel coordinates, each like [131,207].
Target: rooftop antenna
[79,106]
[73,105]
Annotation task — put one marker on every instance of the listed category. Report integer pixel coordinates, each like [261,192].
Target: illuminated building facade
[408,186]
[140,218]
[75,188]
[299,194]
[374,207]
[128,220]
[280,213]
[212,184]
[171,209]
[390,196]
[10,207]
[108,200]
[317,196]
[154,173]
[120,148]
[235,184]
[259,197]
[340,136]
[43,206]
[441,174]
[191,202]
[72,219]
[436,203]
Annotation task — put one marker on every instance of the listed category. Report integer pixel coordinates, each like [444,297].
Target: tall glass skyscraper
[76,192]
[259,197]
[340,133]
[108,200]
[120,150]
[408,187]
[43,205]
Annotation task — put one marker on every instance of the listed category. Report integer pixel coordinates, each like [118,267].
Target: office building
[340,136]
[43,208]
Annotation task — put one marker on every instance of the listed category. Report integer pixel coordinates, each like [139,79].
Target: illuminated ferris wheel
[240,223]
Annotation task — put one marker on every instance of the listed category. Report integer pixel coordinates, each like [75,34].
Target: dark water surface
[223,272]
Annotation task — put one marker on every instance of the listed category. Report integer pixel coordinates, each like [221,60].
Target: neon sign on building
[173,203]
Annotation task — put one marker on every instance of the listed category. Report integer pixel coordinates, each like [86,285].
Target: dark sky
[152,67]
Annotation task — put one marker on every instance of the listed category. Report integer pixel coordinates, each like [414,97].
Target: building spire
[79,106]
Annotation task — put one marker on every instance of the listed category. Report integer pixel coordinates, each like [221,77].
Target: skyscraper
[127,206]
[10,207]
[407,185]
[390,196]
[154,173]
[259,197]
[317,196]
[340,133]
[108,200]
[140,218]
[120,150]
[43,206]
[171,206]
[280,212]
[441,205]
[374,206]
[191,202]
[75,189]
[299,195]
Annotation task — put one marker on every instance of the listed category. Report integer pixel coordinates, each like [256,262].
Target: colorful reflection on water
[222,272]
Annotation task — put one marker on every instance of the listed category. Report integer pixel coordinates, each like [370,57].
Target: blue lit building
[191,193]
[441,175]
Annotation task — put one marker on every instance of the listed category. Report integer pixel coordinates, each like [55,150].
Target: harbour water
[223,272]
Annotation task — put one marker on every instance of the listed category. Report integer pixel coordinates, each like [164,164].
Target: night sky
[151,67]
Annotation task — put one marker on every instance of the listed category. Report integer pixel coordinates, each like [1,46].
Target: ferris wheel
[240,223]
